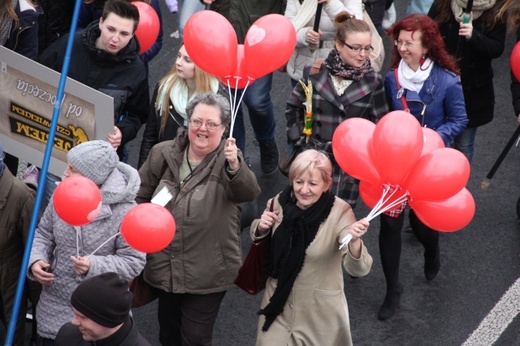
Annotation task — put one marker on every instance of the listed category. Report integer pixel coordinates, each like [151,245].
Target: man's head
[117,24]
[101,305]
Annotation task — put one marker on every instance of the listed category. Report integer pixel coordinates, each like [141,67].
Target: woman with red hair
[424,81]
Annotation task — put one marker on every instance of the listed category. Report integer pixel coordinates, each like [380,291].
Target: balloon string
[377,210]
[106,241]
[237,106]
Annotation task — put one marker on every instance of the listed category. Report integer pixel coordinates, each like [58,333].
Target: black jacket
[54,22]
[476,72]
[23,38]
[127,335]
[122,76]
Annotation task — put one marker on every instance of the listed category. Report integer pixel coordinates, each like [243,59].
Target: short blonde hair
[307,161]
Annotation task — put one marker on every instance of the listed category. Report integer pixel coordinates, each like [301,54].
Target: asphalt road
[479,263]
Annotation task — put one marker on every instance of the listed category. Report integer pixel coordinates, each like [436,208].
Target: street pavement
[479,263]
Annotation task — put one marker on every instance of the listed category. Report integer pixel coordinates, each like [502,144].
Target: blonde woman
[169,100]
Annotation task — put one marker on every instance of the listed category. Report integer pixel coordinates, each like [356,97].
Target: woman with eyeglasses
[171,95]
[345,86]
[205,179]
[424,81]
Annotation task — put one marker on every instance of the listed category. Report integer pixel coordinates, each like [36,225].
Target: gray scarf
[479,6]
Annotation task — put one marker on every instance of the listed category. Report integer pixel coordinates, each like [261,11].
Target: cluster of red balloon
[396,160]
[146,227]
[214,47]
[148,28]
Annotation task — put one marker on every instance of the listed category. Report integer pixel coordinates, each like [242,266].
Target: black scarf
[338,68]
[288,246]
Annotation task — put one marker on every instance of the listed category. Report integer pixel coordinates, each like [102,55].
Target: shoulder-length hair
[203,83]
[430,38]
[510,11]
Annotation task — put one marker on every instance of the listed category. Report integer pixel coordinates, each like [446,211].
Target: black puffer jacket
[54,22]
[122,76]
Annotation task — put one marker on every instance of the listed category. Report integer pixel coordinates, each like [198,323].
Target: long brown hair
[203,81]
[512,12]
[489,17]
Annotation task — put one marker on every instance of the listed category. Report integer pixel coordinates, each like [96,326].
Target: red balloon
[372,193]
[77,200]
[269,44]
[239,79]
[449,215]
[148,227]
[211,42]
[148,28]
[350,143]
[432,141]
[515,60]
[396,146]
[438,175]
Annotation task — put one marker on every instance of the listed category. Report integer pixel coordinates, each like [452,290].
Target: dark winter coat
[205,254]
[54,22]
[476,71]
[122,76]
[16,205]
[23,38]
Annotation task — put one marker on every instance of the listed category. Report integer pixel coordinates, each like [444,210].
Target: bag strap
[403,98]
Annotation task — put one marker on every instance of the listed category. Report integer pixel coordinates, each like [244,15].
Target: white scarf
[479,6]
[414,80]
[305,13]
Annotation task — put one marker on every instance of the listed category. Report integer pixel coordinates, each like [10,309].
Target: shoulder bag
[253,273]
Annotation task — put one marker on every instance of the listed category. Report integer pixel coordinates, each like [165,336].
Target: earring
[422,60]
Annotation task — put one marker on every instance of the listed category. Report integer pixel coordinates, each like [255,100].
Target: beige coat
[316,312]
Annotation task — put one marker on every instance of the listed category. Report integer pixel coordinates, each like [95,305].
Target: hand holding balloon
[80,265]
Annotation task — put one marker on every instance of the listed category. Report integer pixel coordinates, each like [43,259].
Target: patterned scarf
[289,243]
[6,21]
[479,6]
[338,68]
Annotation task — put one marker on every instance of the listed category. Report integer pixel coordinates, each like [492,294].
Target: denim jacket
[439,105]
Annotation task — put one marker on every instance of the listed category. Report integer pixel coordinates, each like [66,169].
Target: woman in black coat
[475,44]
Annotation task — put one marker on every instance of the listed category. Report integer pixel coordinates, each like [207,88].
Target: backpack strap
[316,66]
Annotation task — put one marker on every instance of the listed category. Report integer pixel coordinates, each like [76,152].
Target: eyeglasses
[358,49]
[209,125]
[406,44]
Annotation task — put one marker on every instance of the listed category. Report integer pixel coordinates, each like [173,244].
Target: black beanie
[105,299]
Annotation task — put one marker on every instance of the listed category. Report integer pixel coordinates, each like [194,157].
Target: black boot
[391,303]
[432,265]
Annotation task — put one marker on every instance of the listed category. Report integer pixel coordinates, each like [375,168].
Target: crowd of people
[440,71]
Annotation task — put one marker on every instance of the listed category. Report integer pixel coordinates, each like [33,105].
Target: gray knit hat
[94,160]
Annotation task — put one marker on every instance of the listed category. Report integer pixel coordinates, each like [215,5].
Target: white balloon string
[106,241]
[397,202]
[234,115]
[77,242]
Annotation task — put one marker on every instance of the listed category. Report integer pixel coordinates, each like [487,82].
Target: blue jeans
[465,142]
[189,8]
[261,113]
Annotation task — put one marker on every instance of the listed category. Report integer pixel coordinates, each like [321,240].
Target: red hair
[431,39]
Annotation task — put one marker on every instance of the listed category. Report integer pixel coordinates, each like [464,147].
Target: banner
[27,100]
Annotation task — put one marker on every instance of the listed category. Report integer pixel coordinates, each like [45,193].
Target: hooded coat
[55,241]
